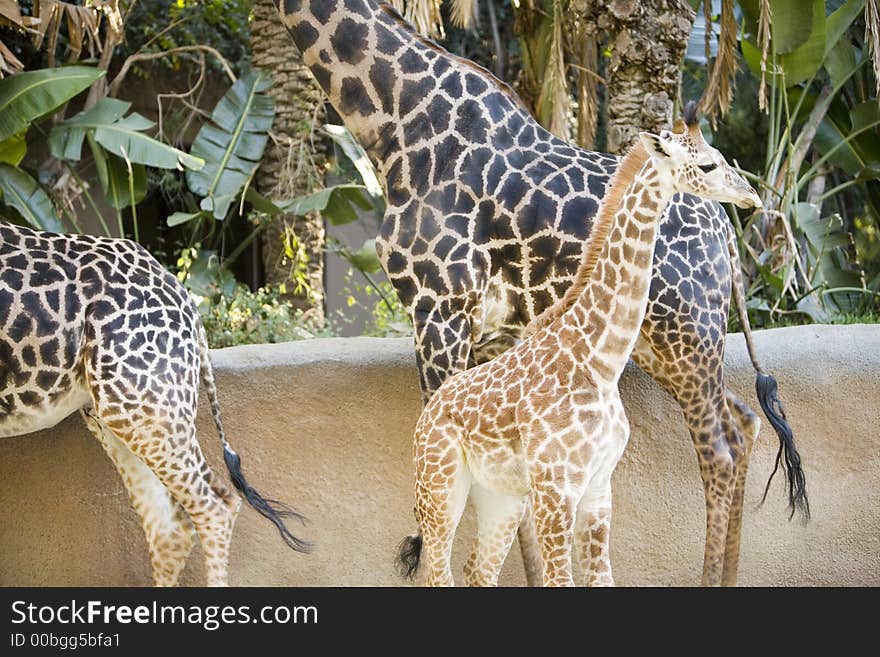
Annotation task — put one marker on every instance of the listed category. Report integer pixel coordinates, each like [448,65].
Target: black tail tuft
[271,509]
[408,554]
[766,387]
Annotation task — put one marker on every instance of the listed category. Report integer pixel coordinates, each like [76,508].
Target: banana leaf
[365,258]
[12,150]
[800,64]
[120,135]
[232,143]
[26,97]
[337,204]
[113,175]
[792,23]
[20,191]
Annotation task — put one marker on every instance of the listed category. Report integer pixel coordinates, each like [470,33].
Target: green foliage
[231,313]
[29,96]
[232,143]
[822,162]
[21,192]
[247,317]
[160,25]
[338,204]
[387,318]
[106,122]
[120,149]
[122,186]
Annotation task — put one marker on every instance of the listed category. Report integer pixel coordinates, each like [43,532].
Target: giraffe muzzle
[749,199]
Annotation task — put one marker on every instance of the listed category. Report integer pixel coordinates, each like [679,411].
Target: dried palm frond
[588,92]
[423,14]
[764,42]
[707,36]
[719,91]
[9,63]
[10,16]
[554,100]
[464,13]
[872,37]
[82,27]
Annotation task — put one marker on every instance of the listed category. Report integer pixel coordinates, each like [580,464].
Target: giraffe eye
[706,168]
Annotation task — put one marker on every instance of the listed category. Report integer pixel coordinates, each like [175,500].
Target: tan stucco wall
[327,426]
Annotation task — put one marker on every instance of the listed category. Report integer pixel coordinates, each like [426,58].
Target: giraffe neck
[615,275]
[374,69]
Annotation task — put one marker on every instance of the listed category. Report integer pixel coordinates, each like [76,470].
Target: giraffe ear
[655,145]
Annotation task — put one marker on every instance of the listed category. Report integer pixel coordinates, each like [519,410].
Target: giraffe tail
[767,388]
[409,553]
[272,510]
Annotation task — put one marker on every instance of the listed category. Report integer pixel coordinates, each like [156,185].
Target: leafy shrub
[246,317]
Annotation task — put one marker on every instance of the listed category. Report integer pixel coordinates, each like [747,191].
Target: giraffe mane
[502,86]
[629,166]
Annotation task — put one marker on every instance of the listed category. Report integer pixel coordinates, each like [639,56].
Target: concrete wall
[327,426]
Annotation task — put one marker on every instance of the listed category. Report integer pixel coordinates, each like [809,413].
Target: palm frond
[9,63]
[764,41]
[872,37]
[588,92]
[554,100]
[424,15]
[707,15]
[719,91]
[10,16]
[83,25]
[464,13]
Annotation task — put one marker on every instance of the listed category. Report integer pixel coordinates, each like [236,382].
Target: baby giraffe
[544,422]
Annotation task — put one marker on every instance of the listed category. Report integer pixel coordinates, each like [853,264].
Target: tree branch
[142,57]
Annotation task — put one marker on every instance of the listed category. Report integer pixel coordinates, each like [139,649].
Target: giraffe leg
[749,425]
[179,464]
[439,512]
[530,552]
[498,516]
[593,537]
[443,345]
[441,491]
[554,509]
[152,410]
[168,529]
[717,462]
[529,548]
[701,394]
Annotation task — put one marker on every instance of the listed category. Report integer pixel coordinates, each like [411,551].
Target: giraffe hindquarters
[498,516]
[148,399]
[168,529]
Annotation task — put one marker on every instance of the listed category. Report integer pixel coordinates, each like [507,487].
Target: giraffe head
[690,165]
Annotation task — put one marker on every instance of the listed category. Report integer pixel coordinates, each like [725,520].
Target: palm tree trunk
[293,164]
[646,39]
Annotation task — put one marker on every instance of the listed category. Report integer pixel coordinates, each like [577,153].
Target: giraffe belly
[501,469]
[18,418]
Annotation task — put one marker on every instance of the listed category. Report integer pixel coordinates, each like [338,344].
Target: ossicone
[689,115]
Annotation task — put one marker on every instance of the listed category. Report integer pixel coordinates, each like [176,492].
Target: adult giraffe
[97,325]
[487,217]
